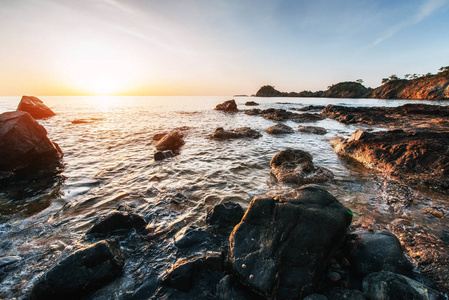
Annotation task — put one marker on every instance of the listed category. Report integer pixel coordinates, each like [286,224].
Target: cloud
[424,11]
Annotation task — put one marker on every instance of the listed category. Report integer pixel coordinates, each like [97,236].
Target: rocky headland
[425,87]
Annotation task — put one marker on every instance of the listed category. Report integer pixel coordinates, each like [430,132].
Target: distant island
[413,86]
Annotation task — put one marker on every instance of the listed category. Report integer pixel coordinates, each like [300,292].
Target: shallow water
[108,157]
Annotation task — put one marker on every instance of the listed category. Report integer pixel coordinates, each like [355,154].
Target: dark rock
[251,103]
[374,251]
[307,117]
[171,141]
[227,106]
[226,290]
[312,129]
[344,294]
[315,297]
[80,273]
[311,107]
[118,220]
[35,107]
[24,143]
[296,166]
[388,285]
[281,247]
[161,155]
[279,129]
[225,216]
[279,114]
[417,157]
[243,132]
[191,236]
[184,272]
[351,115]
[268,91]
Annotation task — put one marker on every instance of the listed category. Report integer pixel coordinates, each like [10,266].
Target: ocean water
[108,161]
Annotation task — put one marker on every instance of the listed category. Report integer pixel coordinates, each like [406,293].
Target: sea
[108,161]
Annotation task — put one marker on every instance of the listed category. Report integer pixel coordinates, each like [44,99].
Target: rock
[282,246]
[416,157]
[24,143]
[226,291]
[374,251]
[80,273]
[251,103]
[191,236]
[171,141]
[239,133]
[225,216]
[296,166]
[387,285]
[344,294]
[8,260]
[312,129]
[184,272]
[161,155]
[35,107]
[227,106]
[268,91]
[315,297]
[158,136]
[307,117]
[346,89]
[279,129]
[334,276]
[311,107]
[118,220]
[278,114]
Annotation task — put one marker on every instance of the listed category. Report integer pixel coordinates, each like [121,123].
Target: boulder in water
[171,141]
[227,106]
[279,129]
[296,166]
[238,133]
[80,273]
[161,155]
[312,129]
[118,220]
[24,143]
[281,247]
[35,107]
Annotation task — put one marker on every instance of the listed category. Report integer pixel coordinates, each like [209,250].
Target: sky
[212,47]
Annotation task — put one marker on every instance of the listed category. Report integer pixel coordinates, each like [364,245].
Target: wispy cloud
[424,11]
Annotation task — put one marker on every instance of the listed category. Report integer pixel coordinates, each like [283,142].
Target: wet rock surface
[24,143]
[80,273]
[118,220]
[417,157]
[312,129]
[283,243]
[227,106]
[172,141]
[161,155]
[238,133]
[279,129]
[296,166]
[35,107]
[225,216]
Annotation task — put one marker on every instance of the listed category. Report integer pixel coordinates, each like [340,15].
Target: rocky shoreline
[294,245]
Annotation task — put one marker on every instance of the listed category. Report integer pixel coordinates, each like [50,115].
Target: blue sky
[209,47]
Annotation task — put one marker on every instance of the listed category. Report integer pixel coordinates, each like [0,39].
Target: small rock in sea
[118,220]
[161,155]
[296,166]
[80,273]
[251,103]
[279,129]
[227,106]
[288,266]
[307,117]
[312,129]
[374,251]
[171,141]
[24,143]
[243,132]
[185,272]
[35,107]
[191,236]
[225,216]
[388,285]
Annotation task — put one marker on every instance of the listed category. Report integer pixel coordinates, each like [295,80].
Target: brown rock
[35,107]
[238,133]
[171,141]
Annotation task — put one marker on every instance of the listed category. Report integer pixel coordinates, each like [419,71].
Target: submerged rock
[80,273]
[118,220]
[281,247]
[227,106]
[279,129]
[238,133]
[24,143]
[375,251]
[171,141]
[388,285]
[312,129]
[161,155]
[296,166]
[35,107]
[417,157]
